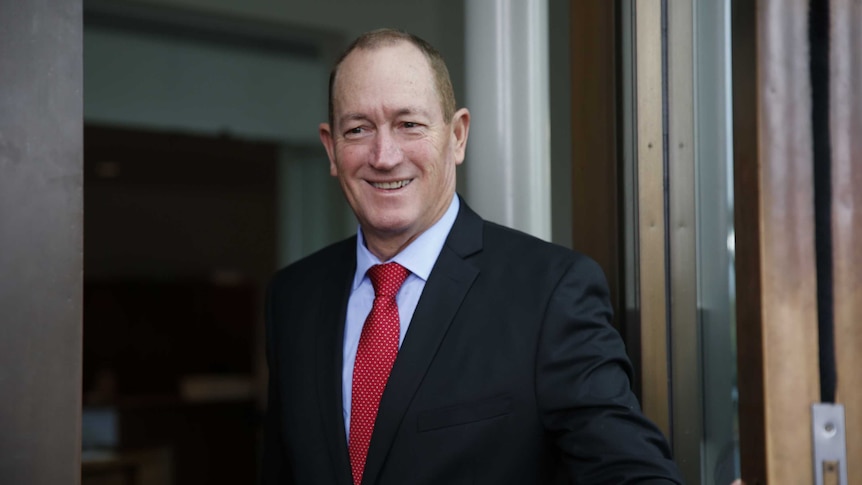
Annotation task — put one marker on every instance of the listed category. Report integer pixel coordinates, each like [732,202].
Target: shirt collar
[419,256]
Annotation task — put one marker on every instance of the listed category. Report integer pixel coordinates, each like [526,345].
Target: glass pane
[716,300]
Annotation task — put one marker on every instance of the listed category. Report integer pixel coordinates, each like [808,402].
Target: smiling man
[393,143]
[435,348]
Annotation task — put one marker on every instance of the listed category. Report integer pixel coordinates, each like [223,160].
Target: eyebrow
[409,110]
[352,117]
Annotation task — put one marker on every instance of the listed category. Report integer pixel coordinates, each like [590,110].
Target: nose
[387,153]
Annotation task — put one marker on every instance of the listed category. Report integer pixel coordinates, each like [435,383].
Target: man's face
[392,151]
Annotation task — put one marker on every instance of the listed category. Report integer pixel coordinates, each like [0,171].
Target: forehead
[385,76]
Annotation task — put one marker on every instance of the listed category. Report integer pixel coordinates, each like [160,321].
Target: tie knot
[387,278]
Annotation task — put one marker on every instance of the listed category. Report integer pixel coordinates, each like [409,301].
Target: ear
[329,144]
[460,131]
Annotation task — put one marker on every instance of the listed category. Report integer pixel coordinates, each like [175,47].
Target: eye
[411,125]
[354,131]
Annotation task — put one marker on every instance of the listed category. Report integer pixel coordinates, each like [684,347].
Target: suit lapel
[330,337]
[448,284]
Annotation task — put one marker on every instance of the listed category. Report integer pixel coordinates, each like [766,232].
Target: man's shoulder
[534,256]
[499,238]
[319,263]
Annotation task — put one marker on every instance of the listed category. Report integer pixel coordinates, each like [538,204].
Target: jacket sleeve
[583,389]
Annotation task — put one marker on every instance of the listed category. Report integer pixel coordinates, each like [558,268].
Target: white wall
[190,86]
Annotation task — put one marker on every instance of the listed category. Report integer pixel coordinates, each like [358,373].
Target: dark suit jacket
[510,373]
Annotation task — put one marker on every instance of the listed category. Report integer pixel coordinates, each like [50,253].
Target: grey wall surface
[190,86]
[40,241]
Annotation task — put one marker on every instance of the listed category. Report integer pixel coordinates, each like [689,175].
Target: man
[482,356]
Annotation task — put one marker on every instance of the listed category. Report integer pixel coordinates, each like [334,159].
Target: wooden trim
[686,388]
[595,192]
[651,212]
[752,433]
[846,124]
[774,213]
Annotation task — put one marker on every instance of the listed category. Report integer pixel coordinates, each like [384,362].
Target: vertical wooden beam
[686,388]
[595,193]
[846,127]
[747,245]
[41,204]
[776,276]
[651,212]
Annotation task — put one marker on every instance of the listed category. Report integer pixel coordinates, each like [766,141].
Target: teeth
[391,185]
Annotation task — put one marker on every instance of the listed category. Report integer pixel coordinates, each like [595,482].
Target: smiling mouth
[391,185]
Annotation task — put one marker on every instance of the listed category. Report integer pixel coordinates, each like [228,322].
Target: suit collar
[448,284]
[465,238]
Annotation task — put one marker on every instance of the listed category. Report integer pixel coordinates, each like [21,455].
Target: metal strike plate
[830,450]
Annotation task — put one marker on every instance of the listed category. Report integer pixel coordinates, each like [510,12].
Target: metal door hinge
[830,450]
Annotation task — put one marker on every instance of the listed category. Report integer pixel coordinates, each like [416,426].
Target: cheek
[424,155]
[349,158]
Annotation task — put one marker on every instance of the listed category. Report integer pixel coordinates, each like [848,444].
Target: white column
[508,155]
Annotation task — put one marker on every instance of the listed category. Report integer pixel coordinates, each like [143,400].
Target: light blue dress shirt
[419,258]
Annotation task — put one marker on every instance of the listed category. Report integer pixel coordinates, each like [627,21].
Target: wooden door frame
[774,248]
[774,219]
[845,121]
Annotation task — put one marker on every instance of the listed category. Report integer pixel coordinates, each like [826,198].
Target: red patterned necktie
[378,347]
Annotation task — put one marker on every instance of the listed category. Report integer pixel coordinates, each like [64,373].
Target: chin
[391,225]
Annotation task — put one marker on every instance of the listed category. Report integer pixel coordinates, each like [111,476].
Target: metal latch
[830,450]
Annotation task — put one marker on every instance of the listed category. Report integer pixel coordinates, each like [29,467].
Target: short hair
[388,37]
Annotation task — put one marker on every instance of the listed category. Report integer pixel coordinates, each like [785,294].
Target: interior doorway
[180,236]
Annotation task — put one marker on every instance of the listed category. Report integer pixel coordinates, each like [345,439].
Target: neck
[385,245]
[386,248]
